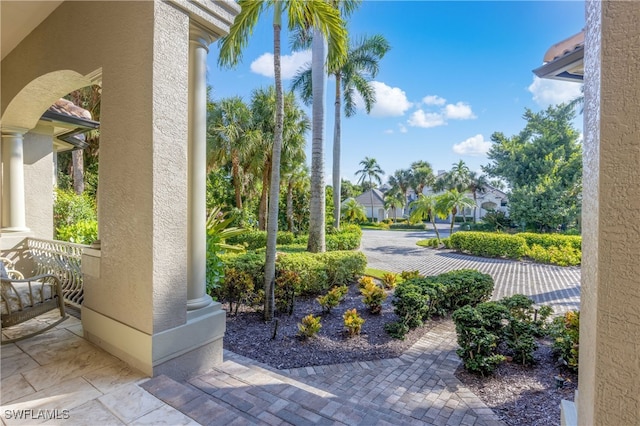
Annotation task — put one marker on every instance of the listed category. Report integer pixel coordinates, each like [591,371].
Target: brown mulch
[523,396]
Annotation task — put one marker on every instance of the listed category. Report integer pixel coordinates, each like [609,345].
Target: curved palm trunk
[316,242]
[433,222]
[274,190]
[235,175]
[454,211]
[336,155]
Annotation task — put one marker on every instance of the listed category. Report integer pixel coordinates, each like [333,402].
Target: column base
[15,229]
[202,302]
[179,352]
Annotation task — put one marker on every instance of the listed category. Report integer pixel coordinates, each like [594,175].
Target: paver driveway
[551,285]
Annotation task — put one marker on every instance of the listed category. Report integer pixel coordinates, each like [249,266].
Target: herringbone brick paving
[417,388]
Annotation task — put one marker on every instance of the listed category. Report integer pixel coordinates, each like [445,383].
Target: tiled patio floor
[59,370]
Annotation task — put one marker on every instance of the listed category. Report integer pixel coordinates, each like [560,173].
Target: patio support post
[197,297]
[13,210]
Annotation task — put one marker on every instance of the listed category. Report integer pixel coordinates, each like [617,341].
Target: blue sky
[456,73]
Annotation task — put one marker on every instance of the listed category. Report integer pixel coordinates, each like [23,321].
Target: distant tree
[394,200]
[421,175]
[425,206]
[476,184]
[349,190]
[353,212]
[401,181]
[542,166]
[450,203]
[370,172]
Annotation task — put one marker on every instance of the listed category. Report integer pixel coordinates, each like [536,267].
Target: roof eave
[564,67]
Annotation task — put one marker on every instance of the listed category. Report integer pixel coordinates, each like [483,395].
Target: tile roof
[65,107]
[564,47]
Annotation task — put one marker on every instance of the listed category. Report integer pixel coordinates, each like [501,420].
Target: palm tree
[400,181]
[450,203]
[393,200]
[352,211]
[229,138]
[426,206]
[422,175]
[459,176]
[354,76]
[315,14]
[476,184]
[297,179]
[370,171]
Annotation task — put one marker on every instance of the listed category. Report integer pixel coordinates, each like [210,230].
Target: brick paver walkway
[418,388]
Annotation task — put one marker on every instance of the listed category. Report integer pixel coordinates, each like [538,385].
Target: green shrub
[236,288]
[566,255]
[81,232]
[342,266]
[373,296]
[478,346]
[365,281]
[286,289]
[347,238]
[551,240]
[446,242]
[416,300]
[250,263]
[565,331]
[332,298]
[489,244]
[396,329]
[420,226]
[353,322]
[309,326]
[253,240]
[313,271]
[408,275]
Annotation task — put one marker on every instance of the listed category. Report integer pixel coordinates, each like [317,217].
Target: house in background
[144,285]
[607,56]
[377,197]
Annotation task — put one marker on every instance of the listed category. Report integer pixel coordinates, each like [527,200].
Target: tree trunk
[316,242]
[371,193]
[264,198]
[336,154]
[290,206]
[274,190]
[78,171]
[235,176]
[453,219]
[435,228]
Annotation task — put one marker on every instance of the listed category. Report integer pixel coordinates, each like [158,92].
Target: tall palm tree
[401,182]
[229,138]
[459,176]
[354,76]
[422,175]
[370,171]
[476,184]
[393,200]
[315,14]
[426,206]
[450,203]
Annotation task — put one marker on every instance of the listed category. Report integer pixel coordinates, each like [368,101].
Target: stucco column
[13,211]
[199,41]
[609,385]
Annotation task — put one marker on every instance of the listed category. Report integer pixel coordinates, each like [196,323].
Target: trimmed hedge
[552,240]
[489,244]
[253,240]
[420,226]
[418,299]
[347,238]
[318,271]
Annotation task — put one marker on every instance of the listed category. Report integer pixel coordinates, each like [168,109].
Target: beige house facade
[144,285]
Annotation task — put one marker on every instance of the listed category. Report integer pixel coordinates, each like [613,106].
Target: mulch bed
[523,396]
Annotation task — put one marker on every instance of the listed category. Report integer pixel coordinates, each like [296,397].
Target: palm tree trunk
[78,171]
[475,206]
[290,205]
[371,193]
[453,219]
[433,222]
[336,155]
[316,243]
[235,176]
[264,198]
[274,190]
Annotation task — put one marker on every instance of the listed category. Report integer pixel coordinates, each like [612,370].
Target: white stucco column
[13,211]
[199,41]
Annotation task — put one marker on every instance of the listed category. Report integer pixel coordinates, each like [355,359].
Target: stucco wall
[142,155]
[38,167]
[610,295]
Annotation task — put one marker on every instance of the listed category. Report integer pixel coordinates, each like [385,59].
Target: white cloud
[390,101]
[552,92]
[474,146]
[403,128]
[290,64]
[433,100]
[389,131]
[459,111]
[426,119]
